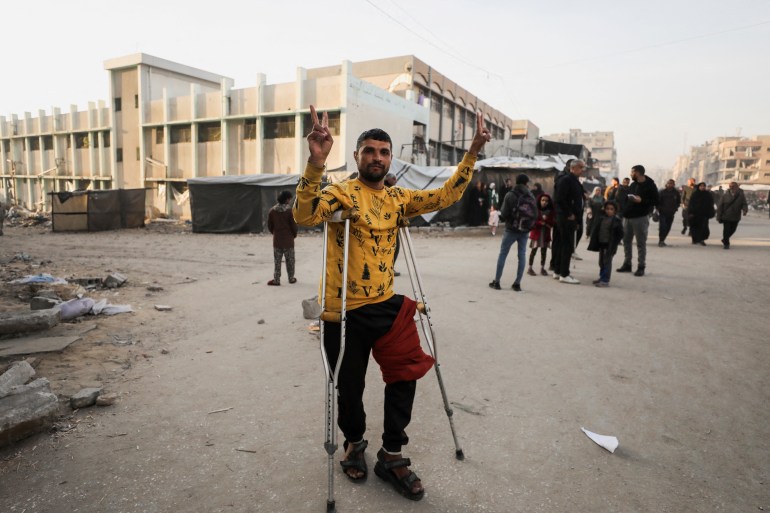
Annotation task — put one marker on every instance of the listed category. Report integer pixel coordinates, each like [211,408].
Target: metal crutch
[330,445]
[427,325]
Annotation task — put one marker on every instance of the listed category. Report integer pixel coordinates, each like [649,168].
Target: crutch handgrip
[422,307]
[327,316]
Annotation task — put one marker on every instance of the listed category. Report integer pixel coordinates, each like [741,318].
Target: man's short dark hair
[376,134]
[639,169]
[522,179]
[284,197]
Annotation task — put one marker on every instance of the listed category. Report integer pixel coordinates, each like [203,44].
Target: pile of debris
[19,216]
[25,408]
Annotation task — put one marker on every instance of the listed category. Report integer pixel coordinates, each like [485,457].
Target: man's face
[670,184]
[634,175]
[614,183]
[373,159]
[691,182]
[734,186]
[626,181]
[578,169]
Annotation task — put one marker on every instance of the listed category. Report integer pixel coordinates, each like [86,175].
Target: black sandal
[383,469]
[353,461]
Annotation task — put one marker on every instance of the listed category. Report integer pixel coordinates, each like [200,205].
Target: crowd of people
[619,215]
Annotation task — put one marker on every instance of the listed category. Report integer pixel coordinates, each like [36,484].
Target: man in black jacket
[642,199]
[569,209]
[669,201]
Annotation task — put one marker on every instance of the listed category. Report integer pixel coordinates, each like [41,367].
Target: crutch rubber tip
[459,454]
[330,507]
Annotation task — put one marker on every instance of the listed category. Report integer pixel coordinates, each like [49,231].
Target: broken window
[118,104]
[209,132]
[279,127]
[181,134]
[48,142]
[34,143]
[250,129]
[81,140]
[334,122]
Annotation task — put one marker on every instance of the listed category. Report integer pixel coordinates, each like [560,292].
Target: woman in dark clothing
[699,211]
[595,209]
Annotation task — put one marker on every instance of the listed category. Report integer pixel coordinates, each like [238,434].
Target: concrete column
[166,133]
[103,152]
[92,139]
[194,91]
[142,136]
[300,106]
[346,138]
[73,125]
[260,140]
[225,139]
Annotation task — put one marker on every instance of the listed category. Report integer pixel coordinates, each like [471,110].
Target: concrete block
[11,324]
[85,398]
[43,303]
[17,374]
[114,280]
[26,413]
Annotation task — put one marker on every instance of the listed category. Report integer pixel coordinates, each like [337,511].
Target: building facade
[166,122]
[727,159]
[600,144]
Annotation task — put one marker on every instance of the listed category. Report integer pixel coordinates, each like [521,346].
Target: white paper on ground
[608,442]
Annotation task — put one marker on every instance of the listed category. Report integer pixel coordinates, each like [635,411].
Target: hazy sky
[663,75]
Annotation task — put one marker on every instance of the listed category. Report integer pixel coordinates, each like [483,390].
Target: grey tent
[227,204]
[106,209]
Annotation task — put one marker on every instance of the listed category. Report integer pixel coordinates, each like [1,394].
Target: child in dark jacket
[605,238]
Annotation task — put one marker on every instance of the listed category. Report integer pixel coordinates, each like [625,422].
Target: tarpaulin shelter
[97,210]
[541,168]
[227,204]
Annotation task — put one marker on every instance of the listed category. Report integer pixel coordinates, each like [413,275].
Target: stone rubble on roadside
[38,320]
[114,280]
[106,399]
[85,398]
[25,408]
[43,303]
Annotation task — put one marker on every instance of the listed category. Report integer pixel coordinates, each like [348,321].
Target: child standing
[605,237]
[494,219]
[280,222]
[540,235]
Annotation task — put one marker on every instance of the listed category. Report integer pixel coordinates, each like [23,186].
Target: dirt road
[675,364]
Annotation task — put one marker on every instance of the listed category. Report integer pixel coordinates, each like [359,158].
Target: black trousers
[555,248]
[364,326]
[728,229]
[567,231]
[664,225]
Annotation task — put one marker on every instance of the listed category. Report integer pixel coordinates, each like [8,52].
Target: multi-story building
[166,122]
[600,144]
[727,159]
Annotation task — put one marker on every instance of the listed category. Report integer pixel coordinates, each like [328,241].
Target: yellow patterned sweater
[373,236]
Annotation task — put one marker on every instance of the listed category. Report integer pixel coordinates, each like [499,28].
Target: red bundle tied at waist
[398,352]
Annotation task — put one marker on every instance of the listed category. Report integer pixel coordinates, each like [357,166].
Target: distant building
[166,122]
[727,159]
[600,144]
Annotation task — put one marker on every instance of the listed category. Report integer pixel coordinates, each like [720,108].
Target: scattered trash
[154,288]
[608,442]
[261,321]
[40,278]
[163,308]
[247,450]
[314,326]
[88,283]
[77,307]
[220,411]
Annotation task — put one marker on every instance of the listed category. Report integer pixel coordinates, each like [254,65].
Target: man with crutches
[373,311]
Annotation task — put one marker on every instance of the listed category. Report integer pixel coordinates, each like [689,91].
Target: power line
[658,45]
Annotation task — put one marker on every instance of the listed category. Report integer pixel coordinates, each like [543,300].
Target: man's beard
[373,172]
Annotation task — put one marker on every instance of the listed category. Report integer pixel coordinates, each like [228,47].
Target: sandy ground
[675,364]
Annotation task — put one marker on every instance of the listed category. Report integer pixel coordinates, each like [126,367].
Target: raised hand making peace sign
[319,140]
[481,137]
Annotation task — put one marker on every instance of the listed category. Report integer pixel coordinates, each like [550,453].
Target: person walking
[687,191]
[732,205]
[699,210]
[668,203]
[374,310]
[281,224]
[493,200]
[607,234]
[621,196]
[540,235]
[611,192]
[519,212]
[642,199]
[477,205]
[555,235]
[595,209]
[569,210]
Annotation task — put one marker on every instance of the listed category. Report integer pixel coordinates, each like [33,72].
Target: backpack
[524,213]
